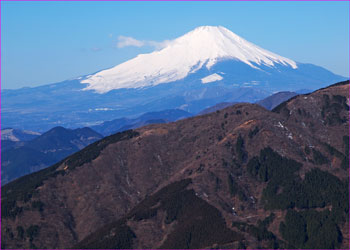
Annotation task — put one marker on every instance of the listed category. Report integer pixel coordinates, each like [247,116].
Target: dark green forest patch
[311,229]
[286,190]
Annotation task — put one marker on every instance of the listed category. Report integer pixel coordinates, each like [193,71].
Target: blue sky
[47,42]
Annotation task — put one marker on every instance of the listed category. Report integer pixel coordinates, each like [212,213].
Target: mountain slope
[43,151]
[237,160]
[202,222]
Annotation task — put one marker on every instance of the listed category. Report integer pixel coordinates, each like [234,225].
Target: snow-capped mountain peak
[203,46]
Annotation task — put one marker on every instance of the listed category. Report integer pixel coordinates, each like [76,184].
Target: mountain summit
[203,46]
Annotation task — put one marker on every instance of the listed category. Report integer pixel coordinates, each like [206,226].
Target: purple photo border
[149,1]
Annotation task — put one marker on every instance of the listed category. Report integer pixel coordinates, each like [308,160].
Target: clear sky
[47,42]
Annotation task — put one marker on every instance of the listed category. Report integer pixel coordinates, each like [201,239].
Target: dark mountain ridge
[244,167]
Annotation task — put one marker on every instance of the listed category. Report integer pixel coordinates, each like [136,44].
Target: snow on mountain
[211,78]
[204,46]
[7,134]
[16,135]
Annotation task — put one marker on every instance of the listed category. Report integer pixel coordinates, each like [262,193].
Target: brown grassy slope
[79,200]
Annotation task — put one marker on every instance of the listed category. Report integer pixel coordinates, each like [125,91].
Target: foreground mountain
[43,151]
[122,124]
[206,66]
[239,177]
[274,100]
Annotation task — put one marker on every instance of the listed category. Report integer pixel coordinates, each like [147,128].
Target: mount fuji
[202,47]
[206,66]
